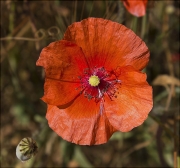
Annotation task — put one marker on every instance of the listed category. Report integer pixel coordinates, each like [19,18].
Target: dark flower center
[97,81]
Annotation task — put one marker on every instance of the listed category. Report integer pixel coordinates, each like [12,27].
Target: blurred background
[28,26]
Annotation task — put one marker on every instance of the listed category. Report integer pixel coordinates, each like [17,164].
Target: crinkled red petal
[109,44]
[81,123]
[63,62]
[59,93]
[133,102]
[136,7]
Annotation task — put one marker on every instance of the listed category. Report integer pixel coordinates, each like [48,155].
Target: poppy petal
[133,103]
[109,44]
[136,7]
[62,60]
[59,93]
[81,123]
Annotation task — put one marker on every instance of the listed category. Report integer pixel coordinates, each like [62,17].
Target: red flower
[93,84]
[136,7]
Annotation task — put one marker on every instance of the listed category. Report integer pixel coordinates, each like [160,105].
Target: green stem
[134,24]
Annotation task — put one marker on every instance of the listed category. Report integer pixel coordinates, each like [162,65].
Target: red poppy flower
[93,84]
[136,7]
